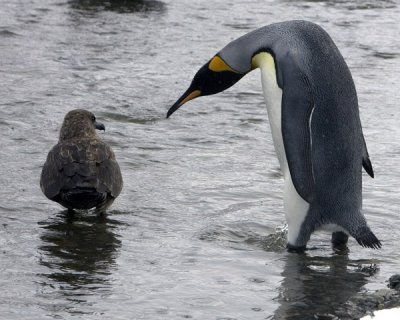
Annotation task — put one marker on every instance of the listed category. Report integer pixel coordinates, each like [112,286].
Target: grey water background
[198,231]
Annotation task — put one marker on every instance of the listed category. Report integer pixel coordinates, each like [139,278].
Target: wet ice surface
[198,229]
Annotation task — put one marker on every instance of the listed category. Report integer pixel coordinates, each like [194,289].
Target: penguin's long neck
[273,100]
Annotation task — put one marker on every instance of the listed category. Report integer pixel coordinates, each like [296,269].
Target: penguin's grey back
[305,50]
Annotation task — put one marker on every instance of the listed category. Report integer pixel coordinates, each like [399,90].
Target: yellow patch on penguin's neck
[265,61]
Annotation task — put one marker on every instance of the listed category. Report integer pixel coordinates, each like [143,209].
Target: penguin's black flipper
[366,162]
[297,109]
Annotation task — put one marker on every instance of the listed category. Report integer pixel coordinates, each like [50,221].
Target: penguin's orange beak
[190,94]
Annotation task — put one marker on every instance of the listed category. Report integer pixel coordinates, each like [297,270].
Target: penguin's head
[215,76]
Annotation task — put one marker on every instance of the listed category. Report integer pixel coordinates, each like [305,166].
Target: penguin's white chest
[273,100]
[296,208]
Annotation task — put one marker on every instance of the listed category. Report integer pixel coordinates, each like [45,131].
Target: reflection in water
[314,287]
[354,4]
[120,6]
[79,251]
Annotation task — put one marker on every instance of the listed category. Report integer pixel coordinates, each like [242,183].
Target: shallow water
[198,229]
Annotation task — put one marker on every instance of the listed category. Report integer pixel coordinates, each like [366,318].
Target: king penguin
[316,129]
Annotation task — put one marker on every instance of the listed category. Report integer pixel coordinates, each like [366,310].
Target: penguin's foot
[366,238]
[339,242]
[295,249]
[339,239]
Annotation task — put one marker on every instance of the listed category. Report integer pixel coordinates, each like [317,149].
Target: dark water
[198,229]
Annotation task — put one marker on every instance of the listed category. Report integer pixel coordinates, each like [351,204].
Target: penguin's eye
[93,118]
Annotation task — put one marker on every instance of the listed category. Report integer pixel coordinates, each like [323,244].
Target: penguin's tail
[366,238]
